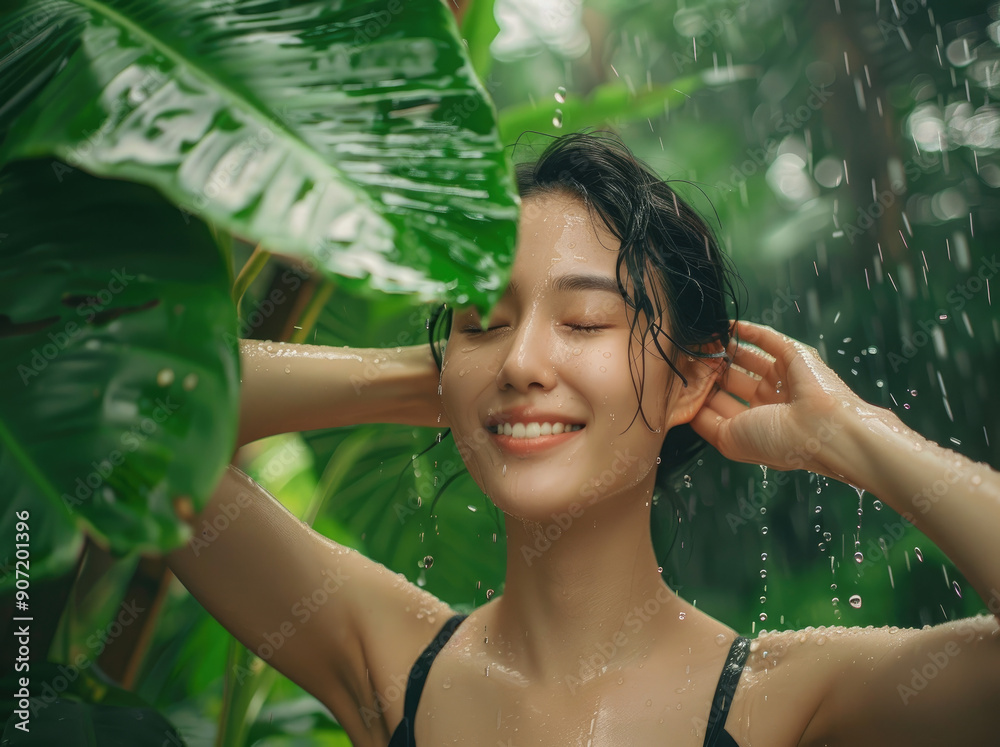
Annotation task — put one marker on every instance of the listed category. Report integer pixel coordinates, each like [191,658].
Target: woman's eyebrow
[574,282]
[586,282]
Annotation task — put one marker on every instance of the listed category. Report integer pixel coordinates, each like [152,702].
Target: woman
[605,356]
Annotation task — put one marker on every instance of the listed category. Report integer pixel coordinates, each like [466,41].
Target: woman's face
[553,368]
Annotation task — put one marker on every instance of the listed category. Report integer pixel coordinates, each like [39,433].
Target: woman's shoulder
[798,683]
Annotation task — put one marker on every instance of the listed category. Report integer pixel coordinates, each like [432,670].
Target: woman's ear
[701,374]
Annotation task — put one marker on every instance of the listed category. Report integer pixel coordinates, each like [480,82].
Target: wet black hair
[682,284]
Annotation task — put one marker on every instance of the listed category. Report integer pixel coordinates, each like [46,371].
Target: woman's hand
[796,405]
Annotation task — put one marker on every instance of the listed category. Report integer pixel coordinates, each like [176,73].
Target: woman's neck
[583,592]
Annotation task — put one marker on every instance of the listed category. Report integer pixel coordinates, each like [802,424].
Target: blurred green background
[847,155]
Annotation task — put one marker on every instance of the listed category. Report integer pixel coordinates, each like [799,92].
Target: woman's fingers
[752,388]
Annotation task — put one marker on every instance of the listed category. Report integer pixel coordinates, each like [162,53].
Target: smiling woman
[616,309]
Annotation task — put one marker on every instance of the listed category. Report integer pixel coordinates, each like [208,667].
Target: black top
[715,734]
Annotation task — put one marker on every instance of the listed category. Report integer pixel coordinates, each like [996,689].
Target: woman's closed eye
[475,329]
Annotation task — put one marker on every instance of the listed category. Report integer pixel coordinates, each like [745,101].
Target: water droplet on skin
[428,561]
[777,388]
[557,120]
[681,615]
[658,460]
[621,680]
[561,94]
[919,554]
[288,369]
[447,683]
[607,355]
[165,377]
[577,351]
[820,640]
[975,479]
[855,601]
[603,369]
[649,703]
[503,471]
[720,639]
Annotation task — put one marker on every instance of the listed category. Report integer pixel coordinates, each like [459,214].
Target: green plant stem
[312,310]
[249,272]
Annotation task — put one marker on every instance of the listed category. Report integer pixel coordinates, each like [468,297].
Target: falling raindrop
[489,593]
[858,557]
[763,530]
[165,377]
[561,94]
[763,556]
[557,120]
[877,505]
[763,616]
[855,601]
[919,554]
[428,561]
[957,588]
[687,481]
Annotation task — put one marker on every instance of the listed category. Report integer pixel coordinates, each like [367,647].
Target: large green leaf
[353,133]
[119,361]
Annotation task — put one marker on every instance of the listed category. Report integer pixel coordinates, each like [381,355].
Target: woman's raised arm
[934,686]
[335,622]
[288,387]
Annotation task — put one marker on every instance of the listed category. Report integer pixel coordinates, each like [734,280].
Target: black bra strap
[418,674]
[728,681]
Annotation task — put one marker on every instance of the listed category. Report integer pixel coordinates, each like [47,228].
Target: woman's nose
[527,360]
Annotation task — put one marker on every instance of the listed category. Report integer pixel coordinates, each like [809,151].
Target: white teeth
[533,430]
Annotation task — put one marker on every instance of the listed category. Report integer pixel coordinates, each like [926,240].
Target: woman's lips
[524,446]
